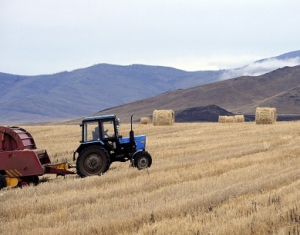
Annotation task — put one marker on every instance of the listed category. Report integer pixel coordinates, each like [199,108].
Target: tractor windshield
[108,129]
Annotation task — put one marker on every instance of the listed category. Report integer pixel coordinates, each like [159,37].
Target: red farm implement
[21,163]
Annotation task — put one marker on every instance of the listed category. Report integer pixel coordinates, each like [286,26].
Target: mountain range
[279,88]
[139,89]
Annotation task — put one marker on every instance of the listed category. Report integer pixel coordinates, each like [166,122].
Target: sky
[50,36]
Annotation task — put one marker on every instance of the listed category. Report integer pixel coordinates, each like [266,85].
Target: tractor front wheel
[142,160]
[93,160]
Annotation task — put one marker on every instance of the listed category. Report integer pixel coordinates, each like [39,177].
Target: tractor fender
[82,146]
[133,155]
[87,144]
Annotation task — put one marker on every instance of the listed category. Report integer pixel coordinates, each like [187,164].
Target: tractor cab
[100,128]
[102,144]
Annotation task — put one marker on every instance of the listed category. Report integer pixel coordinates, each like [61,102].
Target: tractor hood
[140,141]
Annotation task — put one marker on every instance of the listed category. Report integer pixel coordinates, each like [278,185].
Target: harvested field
[200,182]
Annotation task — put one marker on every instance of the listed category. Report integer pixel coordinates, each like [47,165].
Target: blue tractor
[102,145]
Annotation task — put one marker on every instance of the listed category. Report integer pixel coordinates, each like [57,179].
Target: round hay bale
[222,119]
[265,115]
[239,118]
[229,119]
[163,118]
[274,111]
[145,120]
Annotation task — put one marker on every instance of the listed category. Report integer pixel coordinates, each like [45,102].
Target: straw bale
[265,115]
[227,119]
[222,119]
[163,117]
[239,118]
[145,120]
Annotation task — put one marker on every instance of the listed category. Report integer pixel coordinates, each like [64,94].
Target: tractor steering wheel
[105,135]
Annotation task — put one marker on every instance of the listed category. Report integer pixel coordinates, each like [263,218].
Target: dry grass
[200,182]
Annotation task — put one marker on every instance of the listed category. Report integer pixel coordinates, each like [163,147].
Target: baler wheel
[2,182]
[29,180]
[142,160]
[34,180]
[93,160]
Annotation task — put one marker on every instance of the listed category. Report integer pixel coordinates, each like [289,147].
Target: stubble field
[206,178]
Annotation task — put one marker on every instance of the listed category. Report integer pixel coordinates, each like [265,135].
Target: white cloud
[259,68]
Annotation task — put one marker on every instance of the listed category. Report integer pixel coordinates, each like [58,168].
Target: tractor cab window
[95,130]
[91,131]
[108,129]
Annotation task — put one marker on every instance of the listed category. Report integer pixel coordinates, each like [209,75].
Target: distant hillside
[83,91]
[68,95]
[286,56]
[209,113]
[279,89]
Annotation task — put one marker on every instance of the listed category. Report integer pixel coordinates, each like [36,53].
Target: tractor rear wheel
[142,160]
[93,160]
[2,182]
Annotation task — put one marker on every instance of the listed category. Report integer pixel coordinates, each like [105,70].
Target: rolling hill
[68,95]
[279,89]
[83,91]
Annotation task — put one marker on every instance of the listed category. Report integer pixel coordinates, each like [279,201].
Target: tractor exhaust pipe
[131,133]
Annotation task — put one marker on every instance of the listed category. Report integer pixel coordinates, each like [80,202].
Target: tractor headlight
[143,143]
